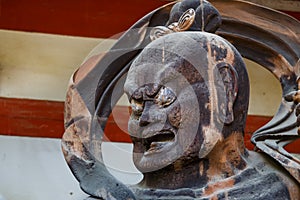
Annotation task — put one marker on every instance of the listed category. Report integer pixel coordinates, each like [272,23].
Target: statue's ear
[227,91]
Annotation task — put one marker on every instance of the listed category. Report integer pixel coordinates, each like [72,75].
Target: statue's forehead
[160,60]
[141,74]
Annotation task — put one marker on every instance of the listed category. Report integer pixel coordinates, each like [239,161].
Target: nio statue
[189,91]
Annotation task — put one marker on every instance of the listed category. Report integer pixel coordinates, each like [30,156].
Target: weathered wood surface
[215,159]
[288,5]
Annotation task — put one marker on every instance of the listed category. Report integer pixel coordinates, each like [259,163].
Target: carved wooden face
[164,124]
[182,88]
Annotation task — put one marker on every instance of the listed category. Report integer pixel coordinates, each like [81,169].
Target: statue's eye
[165,97]
[137,107]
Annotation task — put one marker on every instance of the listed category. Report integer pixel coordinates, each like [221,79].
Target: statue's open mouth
[155,143]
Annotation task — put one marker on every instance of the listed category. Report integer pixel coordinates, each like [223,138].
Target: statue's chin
[162,149]
[157,156]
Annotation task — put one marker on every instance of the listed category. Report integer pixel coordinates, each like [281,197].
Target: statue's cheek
[174,116]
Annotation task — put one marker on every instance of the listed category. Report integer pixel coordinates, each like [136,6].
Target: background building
[42,42]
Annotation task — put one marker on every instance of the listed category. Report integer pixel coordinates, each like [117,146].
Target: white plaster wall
[265,90]
[35,169]
[38,66]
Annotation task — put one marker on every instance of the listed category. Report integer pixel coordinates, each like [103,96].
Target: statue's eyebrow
[137,94]
[164,75]
[130,94]
[145,92]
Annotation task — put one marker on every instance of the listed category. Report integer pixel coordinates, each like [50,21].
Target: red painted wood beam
[38,118]
[88,18]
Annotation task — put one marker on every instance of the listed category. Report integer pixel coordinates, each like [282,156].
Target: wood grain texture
[287,5]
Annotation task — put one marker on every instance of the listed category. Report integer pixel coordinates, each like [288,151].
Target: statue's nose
[151,114]
[144,120]
[145,117]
